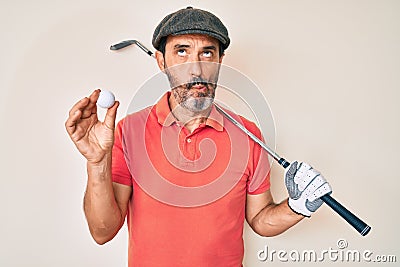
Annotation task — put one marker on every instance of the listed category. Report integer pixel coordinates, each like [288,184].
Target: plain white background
[329,70]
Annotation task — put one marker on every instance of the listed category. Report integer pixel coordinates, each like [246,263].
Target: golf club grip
[352,219]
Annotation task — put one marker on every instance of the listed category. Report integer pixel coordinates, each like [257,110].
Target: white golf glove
[305,186]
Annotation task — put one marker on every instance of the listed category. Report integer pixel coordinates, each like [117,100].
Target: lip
[199,87]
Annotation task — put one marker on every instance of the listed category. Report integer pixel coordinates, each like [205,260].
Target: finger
[305,179]
[91,106]
[70,124]
[109,120]
[302,172]
[313,186]
[313,205]
[321,191]
[80,105]
[76,112]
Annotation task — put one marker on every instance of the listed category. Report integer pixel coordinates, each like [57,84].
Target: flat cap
[191,21]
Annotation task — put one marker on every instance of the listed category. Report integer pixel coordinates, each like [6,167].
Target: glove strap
[292,206]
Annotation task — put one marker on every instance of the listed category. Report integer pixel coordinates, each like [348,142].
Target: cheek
[180,93]
[211,70]
[180,74]
[173,59]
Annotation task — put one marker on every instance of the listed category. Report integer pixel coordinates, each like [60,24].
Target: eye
[181,52]
[207,54]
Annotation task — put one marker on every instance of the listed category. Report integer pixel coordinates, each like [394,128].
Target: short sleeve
[120,171]
[259,180]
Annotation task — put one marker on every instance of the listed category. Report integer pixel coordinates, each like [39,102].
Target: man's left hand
[306,186]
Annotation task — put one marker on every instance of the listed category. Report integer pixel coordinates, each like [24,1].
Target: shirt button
[188,140]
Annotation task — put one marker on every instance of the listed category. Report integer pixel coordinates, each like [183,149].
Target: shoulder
[251,126]
[248,124]
[137,118]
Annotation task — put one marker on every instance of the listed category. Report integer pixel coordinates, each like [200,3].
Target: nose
[195,67]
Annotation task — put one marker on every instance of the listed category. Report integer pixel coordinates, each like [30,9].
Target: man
[146,168]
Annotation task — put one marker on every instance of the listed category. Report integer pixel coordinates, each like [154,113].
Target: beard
[197,104]
[193,99]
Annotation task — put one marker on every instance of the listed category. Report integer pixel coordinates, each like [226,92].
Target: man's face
[191,62]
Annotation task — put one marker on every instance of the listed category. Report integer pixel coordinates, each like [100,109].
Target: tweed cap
[191,21]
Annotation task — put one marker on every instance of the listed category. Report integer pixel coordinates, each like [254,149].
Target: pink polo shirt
[189,189]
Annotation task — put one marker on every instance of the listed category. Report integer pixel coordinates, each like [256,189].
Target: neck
[190,119]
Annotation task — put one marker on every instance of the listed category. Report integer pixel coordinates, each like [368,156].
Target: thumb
[291,186]
[111,114]
[291,172]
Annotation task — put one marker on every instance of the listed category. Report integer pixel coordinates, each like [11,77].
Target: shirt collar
[165,117]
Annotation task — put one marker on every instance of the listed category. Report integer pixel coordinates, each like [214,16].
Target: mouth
[199,85]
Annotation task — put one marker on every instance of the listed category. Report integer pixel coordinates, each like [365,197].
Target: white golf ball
[106,99]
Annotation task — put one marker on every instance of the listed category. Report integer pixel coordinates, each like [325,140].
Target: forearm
[275,219]
[101,209]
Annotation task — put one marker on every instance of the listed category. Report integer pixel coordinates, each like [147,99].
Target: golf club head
[126,43]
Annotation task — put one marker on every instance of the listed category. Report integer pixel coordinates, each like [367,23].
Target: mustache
[199,81]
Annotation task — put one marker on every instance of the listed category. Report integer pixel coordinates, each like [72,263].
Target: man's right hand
[93,138]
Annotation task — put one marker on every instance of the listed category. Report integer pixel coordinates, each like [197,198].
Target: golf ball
[106,99]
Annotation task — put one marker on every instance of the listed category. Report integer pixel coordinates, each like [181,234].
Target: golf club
[124,44]
[352,219]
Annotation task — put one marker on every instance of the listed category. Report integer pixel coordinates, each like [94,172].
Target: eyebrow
[209,47]
[178,46]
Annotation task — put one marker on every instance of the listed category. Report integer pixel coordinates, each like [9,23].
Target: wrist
[295,210]
[100,168]
[99,162]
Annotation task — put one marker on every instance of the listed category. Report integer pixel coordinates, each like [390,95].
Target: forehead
[192,40]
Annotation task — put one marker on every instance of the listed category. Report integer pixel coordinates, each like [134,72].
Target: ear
[160,60]
[220,58]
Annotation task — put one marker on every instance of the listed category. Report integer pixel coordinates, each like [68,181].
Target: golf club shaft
[352,219]
[275,155]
